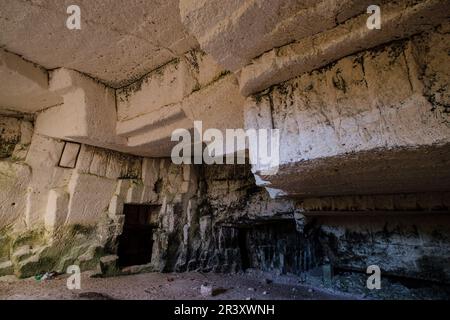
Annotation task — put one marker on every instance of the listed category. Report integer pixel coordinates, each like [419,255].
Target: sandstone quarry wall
[61,202]
[365,146]
[373,122]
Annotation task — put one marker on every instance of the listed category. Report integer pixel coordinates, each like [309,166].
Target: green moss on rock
[66,247]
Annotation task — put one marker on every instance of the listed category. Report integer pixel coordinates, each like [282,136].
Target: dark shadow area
[136,240]
[243,249]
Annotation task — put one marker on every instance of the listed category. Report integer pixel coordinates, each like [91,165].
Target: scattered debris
[46,276]
[109,265]
[206,290]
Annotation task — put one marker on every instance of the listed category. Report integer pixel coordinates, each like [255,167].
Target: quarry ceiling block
[165,86]
[116,44]
[284,63]
[193,88]
[23,85]
[88,114]
[344,130]
[235,32]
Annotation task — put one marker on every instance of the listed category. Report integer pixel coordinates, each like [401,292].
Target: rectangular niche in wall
[69,155]
[136,240]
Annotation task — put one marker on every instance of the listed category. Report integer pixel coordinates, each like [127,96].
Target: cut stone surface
[86,119]
[345,122]
[234,32]
[116,44]
[57,205]
[284,63]
[23,85]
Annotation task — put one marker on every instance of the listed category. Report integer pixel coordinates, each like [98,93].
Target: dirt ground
[149,286]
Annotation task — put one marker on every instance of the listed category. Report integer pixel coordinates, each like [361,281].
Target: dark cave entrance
[243,248]
[136,240]
[274,245]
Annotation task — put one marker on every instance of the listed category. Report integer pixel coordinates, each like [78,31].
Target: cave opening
[243,248]
[136,241]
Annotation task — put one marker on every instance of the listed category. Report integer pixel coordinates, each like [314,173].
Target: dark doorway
[243,248]
[136,240]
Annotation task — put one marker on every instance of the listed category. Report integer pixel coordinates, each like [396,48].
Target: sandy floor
[256,286]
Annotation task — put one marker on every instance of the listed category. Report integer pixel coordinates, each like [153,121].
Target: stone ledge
[309,54]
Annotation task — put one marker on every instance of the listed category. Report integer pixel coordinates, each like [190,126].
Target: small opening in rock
[136,240]
[243,248]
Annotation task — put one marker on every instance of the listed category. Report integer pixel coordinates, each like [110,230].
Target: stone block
[14,179]
[88,114]
[24,86]
[85,158]
[164,86]
[221,95]
[311,53]
[26,132]
[44,152]
[99,163]
[109,265]
[89,198]
[206,290]
[134,193]
[57,209]
[227,30]
[345,122]
[122,187]
[115,206]
[115,166]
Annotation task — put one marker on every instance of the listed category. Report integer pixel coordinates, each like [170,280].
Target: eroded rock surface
[363,114]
